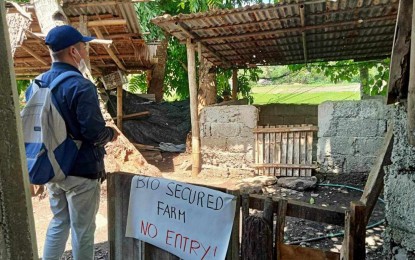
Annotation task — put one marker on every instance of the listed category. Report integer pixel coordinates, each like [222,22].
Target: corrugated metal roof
[292,31]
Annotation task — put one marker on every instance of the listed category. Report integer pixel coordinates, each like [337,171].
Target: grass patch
[304,98]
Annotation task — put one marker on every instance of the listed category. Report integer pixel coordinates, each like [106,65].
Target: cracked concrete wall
[282,114]
[350,134]
[399,192]
[226,135]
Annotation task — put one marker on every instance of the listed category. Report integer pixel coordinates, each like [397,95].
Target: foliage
[348,71]
[304,97]
[22,85]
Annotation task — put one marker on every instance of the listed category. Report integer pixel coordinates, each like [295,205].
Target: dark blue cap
[62,37]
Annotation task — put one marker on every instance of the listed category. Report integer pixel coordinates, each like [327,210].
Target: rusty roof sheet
[119,23]
[290,32]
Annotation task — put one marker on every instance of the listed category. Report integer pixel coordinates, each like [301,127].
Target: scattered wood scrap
[134,116]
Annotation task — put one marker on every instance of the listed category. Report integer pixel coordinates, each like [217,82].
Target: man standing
[74,201]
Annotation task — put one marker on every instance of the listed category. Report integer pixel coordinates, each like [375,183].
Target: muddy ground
[176,166]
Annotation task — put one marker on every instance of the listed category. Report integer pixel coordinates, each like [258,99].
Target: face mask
[82,65]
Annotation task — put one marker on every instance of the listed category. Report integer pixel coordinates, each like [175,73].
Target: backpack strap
[62,77]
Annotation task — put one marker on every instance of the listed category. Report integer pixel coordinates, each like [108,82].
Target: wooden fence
[284,150]
[125,248]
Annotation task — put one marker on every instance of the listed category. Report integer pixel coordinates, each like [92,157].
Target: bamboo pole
[191,65]
[234,84]
[119,107]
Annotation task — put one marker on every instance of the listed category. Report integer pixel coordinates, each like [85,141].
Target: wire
[341,233]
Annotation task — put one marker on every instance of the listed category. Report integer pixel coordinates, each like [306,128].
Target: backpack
[50,150]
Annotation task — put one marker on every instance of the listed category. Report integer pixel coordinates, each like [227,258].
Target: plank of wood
[272,156]
[146,147]
[245,215]
[411,86]
[399,67]
[256,155]
[279,227]
[233,248]
[133,116]
[284,128]
[374,183]
[304,253]
[285,166]
[290,152]
[309,159]
[278,145]
[296,152]
[302,151]
[355,231]
[261,148]
[304,210]
[284,143]
[266,151]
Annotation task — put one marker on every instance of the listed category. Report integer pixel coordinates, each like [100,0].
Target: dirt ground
[297,231]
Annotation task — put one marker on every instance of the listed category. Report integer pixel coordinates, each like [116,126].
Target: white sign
[189,221]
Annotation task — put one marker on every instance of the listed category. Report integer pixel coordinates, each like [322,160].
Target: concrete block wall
[226,134]
[399,193]
[350,134]
[283,114]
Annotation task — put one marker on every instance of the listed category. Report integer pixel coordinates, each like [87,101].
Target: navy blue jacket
[78,102]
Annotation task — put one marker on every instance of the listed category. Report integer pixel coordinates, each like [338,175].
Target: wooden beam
[97,23]
[34,54]
[191,66]
[109,50]
[355,233]
[303,210]
[119,107]
[186,30]
[303,33]
[134,115]
[279,228]
[286,129]
[399,68]
[295,29]
[374,183]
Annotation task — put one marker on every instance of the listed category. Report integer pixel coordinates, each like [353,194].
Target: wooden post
[279,229]
[411,85]
[245,215]
[234,84]
[119,107]
[355,233]
[191,66]
[233,248]
[17,232]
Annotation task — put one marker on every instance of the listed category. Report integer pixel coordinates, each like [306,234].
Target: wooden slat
[290,152]
[374,183]
[261,149]
[284,142]
[285,166]
[296,157]
[284,128]
[304,210]
[278,153]
[233,248]
[272,156]
[303,151]
[279,227]
[304,253]
[257,150]
[245,215]
[355,233]
[266,151]
[309,158]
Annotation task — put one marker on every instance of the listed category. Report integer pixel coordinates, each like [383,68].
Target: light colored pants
[74,203]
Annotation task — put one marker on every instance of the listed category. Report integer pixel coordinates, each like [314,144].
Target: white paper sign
[189,221]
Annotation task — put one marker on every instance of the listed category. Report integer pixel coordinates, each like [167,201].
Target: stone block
[239,144]
[359,164]
[327,146]
[368,146]
[205,130]
[307,110]
[246,132]
[225,130]
[357,127]
[208,143]
[346,109]
[372,109]
[248,116]
[330,164]
[326,125]
[249,157]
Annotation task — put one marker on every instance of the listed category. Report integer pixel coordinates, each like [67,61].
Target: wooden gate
[284,150]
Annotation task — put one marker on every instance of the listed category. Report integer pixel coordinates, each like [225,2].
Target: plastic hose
[341,233]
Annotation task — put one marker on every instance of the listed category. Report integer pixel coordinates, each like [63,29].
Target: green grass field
[304,94]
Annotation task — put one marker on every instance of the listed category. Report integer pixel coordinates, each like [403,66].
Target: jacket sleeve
[89,116]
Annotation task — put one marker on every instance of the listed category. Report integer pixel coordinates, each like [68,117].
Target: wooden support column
[234,84]
[411,86]
[17,232]
[303,33]
[119,107]
[355,233]
[191,65]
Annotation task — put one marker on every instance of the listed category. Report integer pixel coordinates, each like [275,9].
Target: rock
[298,183]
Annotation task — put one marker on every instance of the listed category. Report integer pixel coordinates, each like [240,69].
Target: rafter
[109,50]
